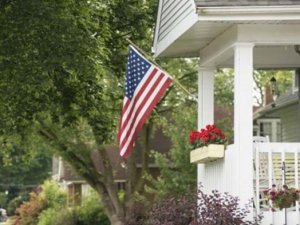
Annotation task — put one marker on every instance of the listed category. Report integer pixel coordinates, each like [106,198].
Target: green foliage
[52,216]
[16,202]
[262,80]
[91,211]
[48,196]
[185,72]
[56,66]
[28,212]
[21,170]
[224,88]
[53,195]
[224,85]
[3,199]
[177,173]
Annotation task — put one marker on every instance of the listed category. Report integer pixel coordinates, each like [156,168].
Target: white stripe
[137,104]
[145,107]
[125,115]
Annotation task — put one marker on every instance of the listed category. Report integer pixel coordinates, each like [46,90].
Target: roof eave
[251,13]
[272,107]
[235,10]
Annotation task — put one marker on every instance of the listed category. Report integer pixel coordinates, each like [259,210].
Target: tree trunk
[114,220]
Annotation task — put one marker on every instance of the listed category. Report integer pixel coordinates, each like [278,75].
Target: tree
[61,64]
[20,172]
[177,173]
[262,81]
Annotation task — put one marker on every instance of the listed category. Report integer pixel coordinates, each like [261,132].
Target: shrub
[47,206]
[53,194]
[52,216]
[28,212]
[3,199]
[47,196]
[91,211]
[174,210]
[200,209]
[16,202]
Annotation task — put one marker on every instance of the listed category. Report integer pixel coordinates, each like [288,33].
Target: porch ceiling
[202,33]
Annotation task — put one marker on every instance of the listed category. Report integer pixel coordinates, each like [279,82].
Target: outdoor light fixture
[274,90]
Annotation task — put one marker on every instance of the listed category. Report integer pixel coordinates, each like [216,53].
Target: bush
[47,206]
[16,202]
[28,212]
[3,199]
[174,210]
[53,194]
[200,209]
[91,211]
[52,216]
[47,196]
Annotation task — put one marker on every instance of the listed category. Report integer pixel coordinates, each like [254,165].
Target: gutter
[289,12]
[269,108]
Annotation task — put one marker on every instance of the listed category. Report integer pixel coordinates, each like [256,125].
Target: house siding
[289,122]
[205,3]
[172,13]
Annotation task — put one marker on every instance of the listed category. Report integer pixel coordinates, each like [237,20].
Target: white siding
[289,121]
[222,175]
[172,13]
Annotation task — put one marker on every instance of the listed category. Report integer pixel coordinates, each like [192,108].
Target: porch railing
[269,159]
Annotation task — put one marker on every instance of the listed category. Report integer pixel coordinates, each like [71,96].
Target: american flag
[144,85]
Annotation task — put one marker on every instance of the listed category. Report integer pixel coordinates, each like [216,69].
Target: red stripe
[133,116]
[146,115]
[136,98]
[121,117]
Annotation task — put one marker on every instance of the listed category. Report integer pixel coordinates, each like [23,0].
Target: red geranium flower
[210,135]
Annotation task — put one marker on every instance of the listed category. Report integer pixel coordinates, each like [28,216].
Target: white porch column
[205,107]
[243,114]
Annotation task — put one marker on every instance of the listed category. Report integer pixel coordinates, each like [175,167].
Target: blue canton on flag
[137,67]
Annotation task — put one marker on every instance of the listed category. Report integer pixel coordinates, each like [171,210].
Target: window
[271,128]
[255,130]
[121,185]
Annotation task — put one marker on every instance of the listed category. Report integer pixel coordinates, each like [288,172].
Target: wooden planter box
[206,154]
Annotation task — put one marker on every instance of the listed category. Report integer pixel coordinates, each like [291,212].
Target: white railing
[269,159]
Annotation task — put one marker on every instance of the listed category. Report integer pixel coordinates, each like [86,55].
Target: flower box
[208,153]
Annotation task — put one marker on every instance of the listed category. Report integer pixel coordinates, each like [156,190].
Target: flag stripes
[137,109]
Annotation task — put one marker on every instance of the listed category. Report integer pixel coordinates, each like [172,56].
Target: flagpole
[156,64]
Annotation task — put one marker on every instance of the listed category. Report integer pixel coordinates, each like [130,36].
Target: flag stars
[137,68]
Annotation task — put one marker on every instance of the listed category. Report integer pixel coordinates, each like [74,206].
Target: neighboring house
[279,120]
[77,187]
[243,35]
